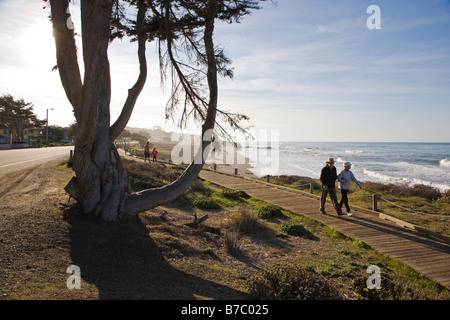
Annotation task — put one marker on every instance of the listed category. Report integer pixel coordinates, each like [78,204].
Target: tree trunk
[100,183]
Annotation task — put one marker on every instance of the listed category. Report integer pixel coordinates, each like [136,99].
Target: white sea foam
[354,151]
[304,170]
[445,162]
[381,177]
[384,177]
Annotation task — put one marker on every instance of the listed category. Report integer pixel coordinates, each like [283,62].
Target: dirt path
[33,237]
[41,235]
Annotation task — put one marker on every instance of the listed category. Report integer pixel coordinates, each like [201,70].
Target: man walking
[328,177]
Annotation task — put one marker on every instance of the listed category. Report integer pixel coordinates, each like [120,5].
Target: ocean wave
[382,177]
[445,162]
[354,151]
[302,170]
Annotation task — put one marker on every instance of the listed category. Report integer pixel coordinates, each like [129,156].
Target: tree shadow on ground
[123,262]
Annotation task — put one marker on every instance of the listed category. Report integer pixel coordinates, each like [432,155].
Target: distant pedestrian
[344,178]
[328,177]
[147,152]
[154,154]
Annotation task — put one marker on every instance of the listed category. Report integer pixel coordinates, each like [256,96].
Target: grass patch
[205,203]
[268,211]
[292,282]
[296,229]
[361,245]
[334,233]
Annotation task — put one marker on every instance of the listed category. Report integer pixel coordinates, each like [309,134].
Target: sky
[310,70]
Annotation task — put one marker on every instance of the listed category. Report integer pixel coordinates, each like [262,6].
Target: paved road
[21,159]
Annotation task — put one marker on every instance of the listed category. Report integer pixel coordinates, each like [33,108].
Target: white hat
[347,164]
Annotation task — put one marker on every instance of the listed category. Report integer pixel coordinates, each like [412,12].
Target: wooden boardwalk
[428,256]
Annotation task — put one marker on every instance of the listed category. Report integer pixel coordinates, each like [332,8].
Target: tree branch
[134,92]
[66,54]
[150,198]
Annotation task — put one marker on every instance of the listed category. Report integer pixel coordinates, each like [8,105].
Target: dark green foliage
[204,203]
[269,211]
[293,229]
[418,190]
[234,194]
[230,194]
[292,283]
[296,229]
[390,290]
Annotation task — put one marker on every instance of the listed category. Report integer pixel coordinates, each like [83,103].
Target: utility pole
[46,128]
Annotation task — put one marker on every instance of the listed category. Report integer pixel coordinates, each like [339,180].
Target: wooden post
[235,171]
[268,178]
[311,188]
[215,167]
[374,202]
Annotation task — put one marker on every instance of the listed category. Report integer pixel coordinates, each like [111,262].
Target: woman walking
[344,178]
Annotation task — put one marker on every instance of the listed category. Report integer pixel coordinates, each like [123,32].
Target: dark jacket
[328,176]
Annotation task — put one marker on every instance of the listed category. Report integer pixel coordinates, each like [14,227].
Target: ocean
[398,163]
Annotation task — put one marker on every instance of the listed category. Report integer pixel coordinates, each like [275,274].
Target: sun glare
[37,44]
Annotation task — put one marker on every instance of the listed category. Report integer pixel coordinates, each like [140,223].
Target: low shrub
[234,194]
[291,180]
[390,290]
[230,194]
[243,195]
[242,220]
[402,190]
[292,283]
[198,186]
[293,229]
[205,203]
[296,229]
[269,211]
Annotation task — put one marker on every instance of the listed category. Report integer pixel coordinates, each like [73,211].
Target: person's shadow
[123,262]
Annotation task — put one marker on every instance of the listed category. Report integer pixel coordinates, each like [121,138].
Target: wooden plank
[435,267]
[421,260]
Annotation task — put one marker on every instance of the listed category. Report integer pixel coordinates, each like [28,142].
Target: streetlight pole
[46,128]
